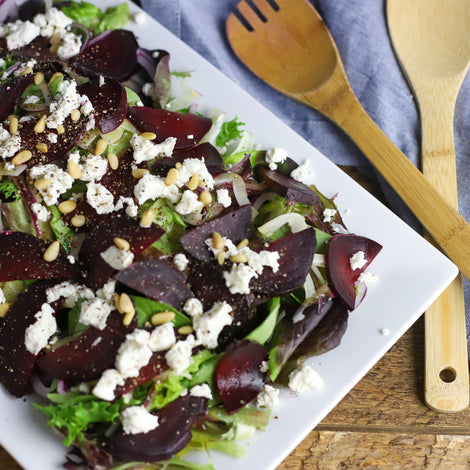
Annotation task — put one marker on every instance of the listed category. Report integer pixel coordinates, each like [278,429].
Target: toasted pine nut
[185,330]
[56,75]
[116,298]
[125,303]
[67,206]
[113,160]
[27,71]
[54,48]
[138,173]
[128,317]
[13,125]
[147,218]
[74,170]
[243,243]
[4,309]
[171,176]
[178,165]
[21,157]
[238,258]
[101,146]
[193,182]
[75,115]
[221,257]
[148,135]
[60,129]
[39,78]
[42,184]
[55,39]
[42,147]
[78,220]
[205,197]
[52,251]
[162,317]
[40,125]
[121,243]
[217,241]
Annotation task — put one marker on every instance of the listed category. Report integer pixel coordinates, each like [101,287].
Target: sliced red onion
[239,191]
[61,386]
[265,197]
[86,34]
[41,389]
[145,59]
[241,163]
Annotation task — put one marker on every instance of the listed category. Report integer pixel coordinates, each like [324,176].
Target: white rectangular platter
[412,274]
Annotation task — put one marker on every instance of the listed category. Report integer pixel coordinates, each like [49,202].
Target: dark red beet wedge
[112,54]
[16,362]
[21,258]
[341,277]
[102,237]
[235,225]
[238,374]
[171,435]
[87,356]
[288,187]
[206,151]
[109,102]
[188,128]
[295,259]
[10,91]
[120,181]
[157,279]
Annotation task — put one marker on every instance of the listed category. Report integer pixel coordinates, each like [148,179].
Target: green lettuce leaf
[228,131]
[145,308]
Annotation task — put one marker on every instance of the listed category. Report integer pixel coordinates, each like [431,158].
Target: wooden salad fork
[432,42]
[288,46]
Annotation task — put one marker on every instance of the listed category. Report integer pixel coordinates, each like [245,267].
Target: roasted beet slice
[157,279]
[109,101]
[87,356]
[21,258]
[112,54]
[341,276]
[235,225]
[188,128]
[288,187]
[238,374]
[295,259]
[16,362]
[206,151]
[10,91]
[172,434]
[73,133]
[120,181]
[102,237]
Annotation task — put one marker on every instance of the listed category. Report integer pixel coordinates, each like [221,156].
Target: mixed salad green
[162,278]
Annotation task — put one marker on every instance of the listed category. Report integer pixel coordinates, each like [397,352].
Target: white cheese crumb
[302,173]
[95,312]
[269,396]
[42,213]
[134,353]
[2,296]
[180,261]
[357,260]
[37,335]
[154,187]
[223,197]
[179,357]
[329,214]
[61,181]
[145,150]
[189,203]
[274,156]
[193,307]
[69,46]
[385,331]
[238,278]
[209,325]
[107,384]
[93,167]
[99,198]
[368,278]
[69,292]
[137,420]
[203,391]
[162,337]
[304,378]
[118,259]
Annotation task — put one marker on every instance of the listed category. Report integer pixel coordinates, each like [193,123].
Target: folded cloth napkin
[360,31]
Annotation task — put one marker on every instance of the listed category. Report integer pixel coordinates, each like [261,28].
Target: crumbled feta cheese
[162,337]
[19,33]
[37,334]
[189,203]
[9,144]
[42,213]
[100,198]
[304,378]
[137,420]
[269,396]
[69,292]
[71,259]
[384,331]
[154,187]
[274,156]
[223,197]
[180,261]
[357,260]
[61,181]
[179,357]
[53,21]
[2,296]
[203,391]
[302,173]
[52,138]
[95,312]
[93,167]
[107,384]
[368,278]
[134,353]
[69,46]
[118,259]
[32,99]
[209,325]
[145,150]
[107,291]
[328,214]
[192,167]
[193,307]
[238,278]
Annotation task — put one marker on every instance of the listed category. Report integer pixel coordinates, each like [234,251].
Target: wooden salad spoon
[289,47]
[432,41]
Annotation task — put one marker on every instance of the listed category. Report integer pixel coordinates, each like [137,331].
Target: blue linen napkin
[360,31]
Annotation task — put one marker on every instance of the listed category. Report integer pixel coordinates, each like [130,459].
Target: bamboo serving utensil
[291,49]
[432,41]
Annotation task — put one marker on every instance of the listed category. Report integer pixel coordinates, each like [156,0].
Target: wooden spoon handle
[446,378]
